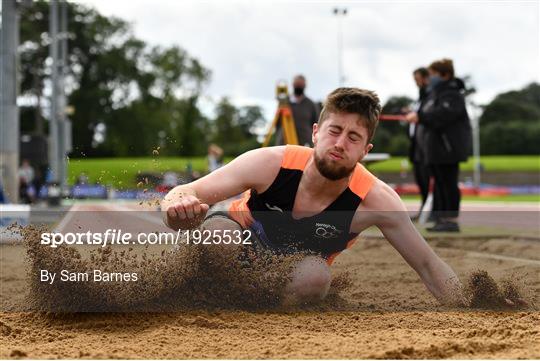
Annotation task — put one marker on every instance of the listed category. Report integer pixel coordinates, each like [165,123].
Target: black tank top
[270,213]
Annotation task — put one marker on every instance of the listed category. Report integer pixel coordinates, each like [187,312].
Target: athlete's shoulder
[266,154]
[379,207]
[382,197]
[271,156]
[264,165]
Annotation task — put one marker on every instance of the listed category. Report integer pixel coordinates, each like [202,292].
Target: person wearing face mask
[304,111]
[447,140]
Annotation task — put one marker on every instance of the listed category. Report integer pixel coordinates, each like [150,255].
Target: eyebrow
[350,132]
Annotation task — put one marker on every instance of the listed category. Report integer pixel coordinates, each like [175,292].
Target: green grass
[491,163]
[121,172]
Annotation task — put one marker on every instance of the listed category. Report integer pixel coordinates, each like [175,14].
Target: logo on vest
[324,230]
[274,208]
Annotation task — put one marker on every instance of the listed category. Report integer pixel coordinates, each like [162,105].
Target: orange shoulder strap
[296,157]
[362,181]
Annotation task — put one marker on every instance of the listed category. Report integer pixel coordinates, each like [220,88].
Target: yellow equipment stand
[283,117]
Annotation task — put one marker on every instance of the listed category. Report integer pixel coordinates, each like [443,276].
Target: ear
[314,134]
[368,148]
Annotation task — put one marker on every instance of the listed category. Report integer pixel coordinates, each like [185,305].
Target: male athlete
[315,200]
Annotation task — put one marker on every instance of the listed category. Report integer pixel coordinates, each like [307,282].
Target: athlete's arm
[186,205]
[383,208]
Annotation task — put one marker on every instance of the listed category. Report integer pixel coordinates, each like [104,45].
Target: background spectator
[27,190]
[215,157]
[415,132]
[305,113]
[447,140]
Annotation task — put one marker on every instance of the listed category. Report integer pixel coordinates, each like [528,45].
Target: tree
[33,51]
[521,105]
[234,129]
[510,124]
[391,136]
[115,81]
[510,137]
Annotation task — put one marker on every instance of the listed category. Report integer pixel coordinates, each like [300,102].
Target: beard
[332,171]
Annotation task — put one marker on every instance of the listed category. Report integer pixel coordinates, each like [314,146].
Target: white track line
[504,258]
[62,224]
[481,254]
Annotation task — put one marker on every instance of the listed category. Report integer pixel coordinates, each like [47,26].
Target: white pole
[9,112]
[476,147]
[54,116]
[62,101]
[474,111]
[339,12]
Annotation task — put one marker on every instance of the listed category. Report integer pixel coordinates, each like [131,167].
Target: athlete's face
[339,143]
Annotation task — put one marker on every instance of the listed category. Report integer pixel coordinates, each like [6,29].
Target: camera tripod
[283,117]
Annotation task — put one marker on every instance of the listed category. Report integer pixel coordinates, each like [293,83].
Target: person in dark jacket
[447,139]
[305,113]
[420,170]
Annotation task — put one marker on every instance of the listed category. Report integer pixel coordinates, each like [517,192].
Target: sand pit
[385,312]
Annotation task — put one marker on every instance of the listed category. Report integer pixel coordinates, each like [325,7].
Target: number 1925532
[218,236]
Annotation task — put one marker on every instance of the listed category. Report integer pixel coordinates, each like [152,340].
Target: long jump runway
[384,312]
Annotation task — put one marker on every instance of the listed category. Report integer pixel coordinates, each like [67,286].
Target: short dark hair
[422,71]
[363,102]
[444,67]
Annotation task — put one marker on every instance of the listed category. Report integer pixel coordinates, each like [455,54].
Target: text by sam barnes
[90,276]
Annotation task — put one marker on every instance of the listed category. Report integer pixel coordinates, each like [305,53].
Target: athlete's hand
[187,213]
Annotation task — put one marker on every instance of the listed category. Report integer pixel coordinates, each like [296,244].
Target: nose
[340,141]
